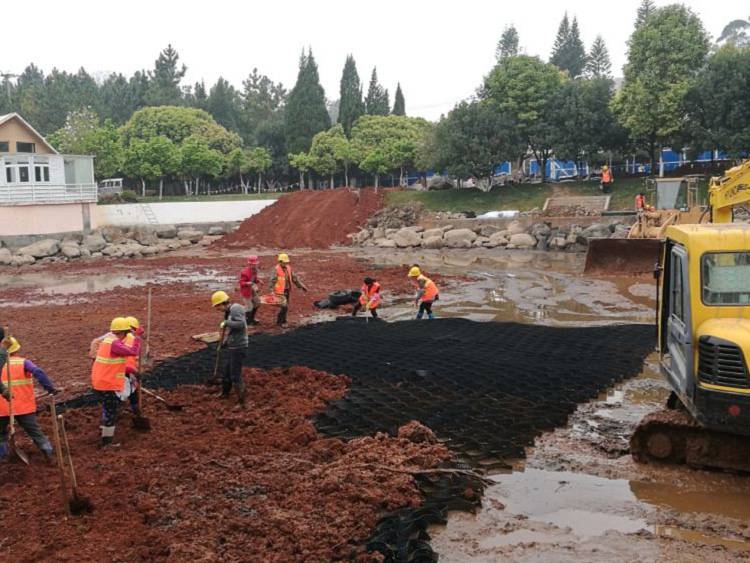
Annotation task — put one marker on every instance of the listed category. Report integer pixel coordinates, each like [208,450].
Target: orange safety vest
[21,384]
[283,283]
[370,295]
[640,202]
[606,176]
[131,361]
[108,371]
[430,289]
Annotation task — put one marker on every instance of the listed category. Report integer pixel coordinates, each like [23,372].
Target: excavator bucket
[609,257]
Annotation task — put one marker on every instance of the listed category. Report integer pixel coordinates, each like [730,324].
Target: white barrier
[176,213]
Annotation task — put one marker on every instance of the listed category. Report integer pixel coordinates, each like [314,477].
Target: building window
[41,173]
[4,146]
[23,173]
[9,174]
[25,147]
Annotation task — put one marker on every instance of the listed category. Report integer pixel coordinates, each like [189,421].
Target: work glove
[6,394]
[222,324]
[54,392]
[139,331]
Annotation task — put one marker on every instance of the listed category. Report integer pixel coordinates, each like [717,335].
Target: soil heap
[307,219]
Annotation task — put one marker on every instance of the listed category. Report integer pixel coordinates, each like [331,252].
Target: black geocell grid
[487,389]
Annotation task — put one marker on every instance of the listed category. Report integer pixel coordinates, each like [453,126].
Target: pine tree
[399,104]
[508,44]
[306,113]
[646,8]
[223,104]
[200,97]
[568,52]
[164,83]
[598,64]
[351,105]
[376,102]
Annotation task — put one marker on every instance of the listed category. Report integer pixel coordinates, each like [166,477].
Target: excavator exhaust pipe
[609,257]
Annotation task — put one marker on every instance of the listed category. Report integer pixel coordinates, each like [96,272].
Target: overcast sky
[438,49]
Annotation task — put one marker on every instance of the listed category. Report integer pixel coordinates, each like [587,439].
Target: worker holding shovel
[18,375]
[369,298]
[427,292]
[234,332]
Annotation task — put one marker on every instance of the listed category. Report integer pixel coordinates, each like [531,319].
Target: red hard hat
[252,259]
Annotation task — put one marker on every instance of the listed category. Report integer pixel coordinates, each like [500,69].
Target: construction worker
[249,283]
[110,371]
[4,345]
[281,282]
[369,298]
[132,363]
[607,180]
[234,332]
[19,374]
[427,292]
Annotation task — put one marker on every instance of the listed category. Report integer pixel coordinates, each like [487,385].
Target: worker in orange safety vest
[282,280]
[110,373]
[19,375]
[369,298]
[427,292]
[607,180]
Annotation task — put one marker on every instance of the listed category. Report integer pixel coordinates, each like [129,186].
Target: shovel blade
[18,452]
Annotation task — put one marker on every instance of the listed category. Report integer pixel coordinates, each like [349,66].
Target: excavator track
[674,437]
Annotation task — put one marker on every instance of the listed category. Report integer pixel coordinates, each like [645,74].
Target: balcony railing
[29,194]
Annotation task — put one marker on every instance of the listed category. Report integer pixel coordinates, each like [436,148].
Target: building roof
[9,116]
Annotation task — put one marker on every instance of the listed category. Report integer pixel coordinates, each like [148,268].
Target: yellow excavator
[703,322]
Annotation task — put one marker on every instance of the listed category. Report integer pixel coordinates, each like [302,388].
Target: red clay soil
[56,332]
[307,219]
[214,484]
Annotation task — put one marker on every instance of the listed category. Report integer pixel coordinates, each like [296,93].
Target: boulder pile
[541,236]
[113,242]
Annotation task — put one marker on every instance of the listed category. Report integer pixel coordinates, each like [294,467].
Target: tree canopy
[507,46]
[376,102]
[306,113]
[568,52]
[351,105]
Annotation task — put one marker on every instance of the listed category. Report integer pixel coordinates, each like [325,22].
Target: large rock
[85,252]
[489,230]
[386,243]
[173,244]
[94,242]
[522,240]
[407,237]
[112,234]
[166,231]
[497,239]
[190,235]
[480,241]
[432,233]
[75,238]
[515,228]
[145,236]
[112,250]
[149,250]
[6,257]
[22,260]
[41,249]
[542,229]
[70,250]
[433,241]
[378,232]
[459,238]
[597,230]
[558,243]
[216,230]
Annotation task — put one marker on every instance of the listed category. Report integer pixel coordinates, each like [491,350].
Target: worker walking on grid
[110,371]
[234,332]
[281,282]
[249,289]
[427,292]
[18,376]
[369,298]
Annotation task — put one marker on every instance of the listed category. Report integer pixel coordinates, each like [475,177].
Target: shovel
[59,455]
[14,449]
[140,422]
[78,504]
[170,406]
[215,379]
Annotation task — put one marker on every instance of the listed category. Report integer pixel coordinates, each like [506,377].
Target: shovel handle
[70,458]
[58,455]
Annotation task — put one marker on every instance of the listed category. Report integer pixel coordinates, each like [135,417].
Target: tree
[151,160]
[376,102]
[646,8]
[736,32]
[598,64]
[568,53]
[198,159]
[303,163]
[238,164]
[323,153]
[351,105]
[259,160]
[524,89]
[262,100]
[119,98]
[200,96]
[164,80]
[507,46]
[719,107]
[223,104]
[664,53]
[83,134]
[305,113]
[399,104]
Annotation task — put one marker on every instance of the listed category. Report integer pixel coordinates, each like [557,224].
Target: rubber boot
[430,316]
[250,317]
[241,392]
[281,318]
[226,387]
[49,457]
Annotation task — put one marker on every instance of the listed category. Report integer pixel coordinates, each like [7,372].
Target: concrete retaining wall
[176,213]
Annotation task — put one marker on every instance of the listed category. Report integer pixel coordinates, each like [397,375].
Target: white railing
[29,194]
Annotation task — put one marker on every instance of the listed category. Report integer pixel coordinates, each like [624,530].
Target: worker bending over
[249,283]
[369,298]
[427,292]
[110,371]
[18,375]
[282,280]
[607,180]
[234,334]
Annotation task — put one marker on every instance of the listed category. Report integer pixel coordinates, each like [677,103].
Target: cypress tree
[598,64]
[351,105]
[399,105]
[376,102]
[568,52]
[306,113]
[508,44]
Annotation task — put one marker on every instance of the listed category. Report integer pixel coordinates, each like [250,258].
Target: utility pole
[7,76]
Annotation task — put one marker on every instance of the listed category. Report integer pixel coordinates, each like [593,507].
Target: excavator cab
[704,346]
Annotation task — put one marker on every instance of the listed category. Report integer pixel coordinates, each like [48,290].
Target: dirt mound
[307,219]
[213,484]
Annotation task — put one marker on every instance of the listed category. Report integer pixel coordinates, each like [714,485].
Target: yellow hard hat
[119,324]
[15,346]
[218,298]
[283,257]
[605,167]
[133,322]
[415,272]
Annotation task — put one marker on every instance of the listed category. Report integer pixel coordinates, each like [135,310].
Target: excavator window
[725,278]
